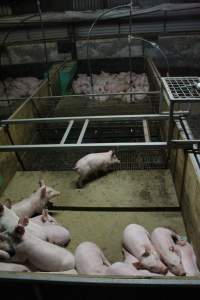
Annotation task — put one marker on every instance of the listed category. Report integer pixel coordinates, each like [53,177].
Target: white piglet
[165,241]
[9,267]
[188,259]
[36,202]
[40,254]
[56,233]
[136,240]
[127,267]
[90,259]
[92,163]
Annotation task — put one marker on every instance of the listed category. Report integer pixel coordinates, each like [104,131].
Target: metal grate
[194,123]
[62,161]
[181,88]
[97,132]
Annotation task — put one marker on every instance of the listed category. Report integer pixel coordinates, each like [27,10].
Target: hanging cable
[154,45]
[42,30]
[45,44]
[88,40]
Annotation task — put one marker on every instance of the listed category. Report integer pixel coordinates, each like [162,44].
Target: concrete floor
[138,188]
[105,228]
[95,213]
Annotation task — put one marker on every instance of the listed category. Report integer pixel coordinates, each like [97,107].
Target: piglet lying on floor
[55,233]
[36,202]
[43,226]
[10,267]
[136,240]
[90,259]
[42,255]
[93,163]
[165,240]
[127,267]
[188,259]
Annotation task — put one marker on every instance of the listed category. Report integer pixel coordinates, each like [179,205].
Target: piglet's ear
[8,203]
[1,210]
[145,254]
[137,265]
[112,153]
[43,192]
[41,183]
[19,231]
[44,215]
[23,221]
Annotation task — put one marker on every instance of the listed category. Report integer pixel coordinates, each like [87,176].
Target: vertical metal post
[83,130]
[161,100]
[171,129]
[17,155]
[146,130]
[129,46]
[37,292]
[45,44]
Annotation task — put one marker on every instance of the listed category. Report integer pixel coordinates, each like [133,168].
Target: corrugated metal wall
[97,4]
[5,10]
[88,4]
[29,6]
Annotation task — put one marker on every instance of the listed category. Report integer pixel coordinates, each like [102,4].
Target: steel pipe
[91,118]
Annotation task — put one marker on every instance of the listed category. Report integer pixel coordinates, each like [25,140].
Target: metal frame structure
[131,37]
[170,143]
[180,90]
[63,145]
[189,144]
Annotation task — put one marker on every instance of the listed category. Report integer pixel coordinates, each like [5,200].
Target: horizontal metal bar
[177,112]
[13,99]
[67,132]
[52,147]
[84,95]
[181,144]
[96,281]
[188,100]
[185,143]
[91,118]
[83,131]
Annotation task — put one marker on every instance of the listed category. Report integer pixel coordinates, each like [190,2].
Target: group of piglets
[161,253]
[18,87]
[37,243]
[33,243]
[123,82]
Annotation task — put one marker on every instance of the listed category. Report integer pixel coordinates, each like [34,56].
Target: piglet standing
[92,163]
[188,259]
[90,260]
[36,202]
[165,240]
[136,240]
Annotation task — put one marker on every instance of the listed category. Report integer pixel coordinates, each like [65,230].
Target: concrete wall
[182,51]
[32,53]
